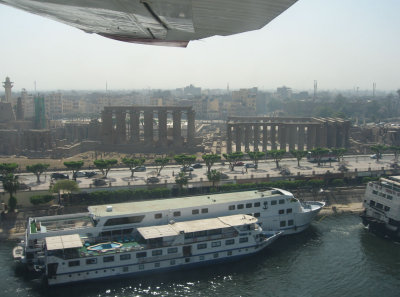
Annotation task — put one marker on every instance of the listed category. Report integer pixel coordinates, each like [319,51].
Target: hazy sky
[341,43]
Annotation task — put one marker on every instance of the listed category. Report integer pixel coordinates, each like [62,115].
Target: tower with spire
[7,87]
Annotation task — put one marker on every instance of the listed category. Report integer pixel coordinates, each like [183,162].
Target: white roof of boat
[140,207]
[176,228]
[63,242]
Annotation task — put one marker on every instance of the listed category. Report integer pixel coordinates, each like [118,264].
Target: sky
[343,44]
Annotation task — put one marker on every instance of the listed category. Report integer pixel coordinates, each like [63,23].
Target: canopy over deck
[63,242]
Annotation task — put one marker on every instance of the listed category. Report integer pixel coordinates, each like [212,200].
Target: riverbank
[338,200]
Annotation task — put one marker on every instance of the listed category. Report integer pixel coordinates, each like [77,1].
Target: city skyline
[344,45]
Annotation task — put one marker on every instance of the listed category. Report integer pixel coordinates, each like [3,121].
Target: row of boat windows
[379,205]
[384,195]
[289,223]
[172,250]
[158,264]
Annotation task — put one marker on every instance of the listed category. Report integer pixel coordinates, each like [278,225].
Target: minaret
[7,86]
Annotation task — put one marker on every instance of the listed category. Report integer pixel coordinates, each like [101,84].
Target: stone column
[331,135]
[148,127]
[229,139]
[135,126]
[292,137]
[247,137]
[346,131]
[121,126]
[265,138]
[238,136]
[106,126]
[176,118]
[256,130]
[300,145]
[282,136]
[162,127]
[190,127]
[322,135]
[273,137]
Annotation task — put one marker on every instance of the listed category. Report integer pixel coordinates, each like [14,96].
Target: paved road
[121,177]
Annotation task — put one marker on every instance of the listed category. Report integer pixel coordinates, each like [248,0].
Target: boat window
[273,202]
[188,235]
[215,243]
[257,204]
[283,224]
[125,269]
[172,250]
[257,215]
[201,258]
[231,207]
[202,246]
[240,206]
[141,266]
[229,253]
[290,222]
[124,220]
[387,208]
[374,192]
[195,211]
[108,259]
[281,211]
[158,215]
[229,241]
[372,203]
[125,257]
[157,264]
[204,210]
[200,233]
[390,197]
[172,262]
[141,255]
[216,255]
[289,210]
[214,231]
[282,201]
[91,261]
[177,213]
[74,263]
[243,239]
[249,205]
[156,253]
[379,205]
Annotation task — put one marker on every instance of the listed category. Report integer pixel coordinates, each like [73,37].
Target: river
[336,256]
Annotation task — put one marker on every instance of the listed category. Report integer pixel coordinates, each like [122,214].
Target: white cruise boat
[382,207]
[152,249]
[276,210]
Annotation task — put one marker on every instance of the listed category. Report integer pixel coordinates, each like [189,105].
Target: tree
[396,150]
[378,149]
[74,166]
[298,155]
[210,159]
[37,169]
[255,156]
[7,168]
[65,186]
[277,155]
[339,152]
[214,176]
[184,160]
[318,153]
[11,185]
[232,158]
[104,165]
[161,163]
[132,163]
[181,179]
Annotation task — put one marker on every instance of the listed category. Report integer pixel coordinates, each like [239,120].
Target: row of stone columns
[291,136]
[121,135]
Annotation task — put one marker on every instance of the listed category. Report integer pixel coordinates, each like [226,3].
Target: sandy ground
[355,207]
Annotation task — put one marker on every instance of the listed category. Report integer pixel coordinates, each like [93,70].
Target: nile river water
[336,256]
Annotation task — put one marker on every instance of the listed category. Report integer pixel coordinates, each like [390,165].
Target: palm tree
[214,176]
[11,185]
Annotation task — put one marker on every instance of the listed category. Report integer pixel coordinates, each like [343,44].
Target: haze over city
[342,44]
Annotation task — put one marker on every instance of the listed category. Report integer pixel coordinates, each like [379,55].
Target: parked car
[239,163]
[79,174]
[57,175]
[153,180]
[140,169]
[99,182]
[285,171]
[374,156]
[23,186]
[343,168]
[250,165]
[224,176]
[197,165]
[89,174]
[186,169]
